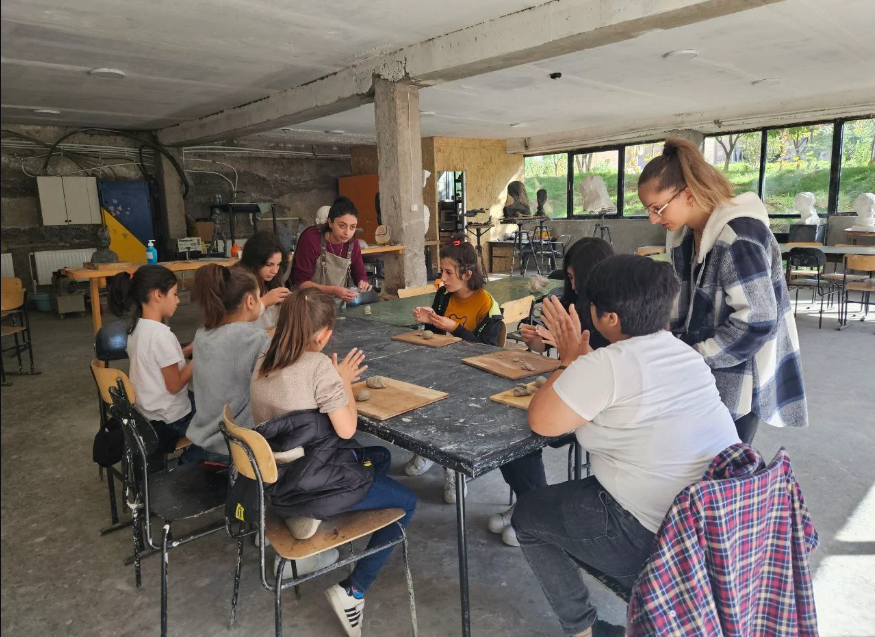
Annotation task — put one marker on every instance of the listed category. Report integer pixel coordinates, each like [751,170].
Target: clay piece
[367,310]
[427,335]
[516,360]
[527,366]
[376,382]
[540,380]
[521,390]
[363,395]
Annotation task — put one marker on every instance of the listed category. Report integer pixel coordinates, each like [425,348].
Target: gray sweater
[224,359]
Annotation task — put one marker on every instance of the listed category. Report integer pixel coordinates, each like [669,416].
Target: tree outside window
[858,162]
[737,156]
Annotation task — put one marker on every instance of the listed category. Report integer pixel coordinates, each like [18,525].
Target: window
[797,160]
[736,155]
[549,172]
[858,162]
[604,164]
[636,159]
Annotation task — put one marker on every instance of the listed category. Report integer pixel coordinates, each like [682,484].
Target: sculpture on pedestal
[542,201]
[864,206]
[103,254]
[517,203]
[595,196]
[804,204]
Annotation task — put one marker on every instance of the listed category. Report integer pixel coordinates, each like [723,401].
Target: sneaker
[303,528]
[604,629]
[417,466]
[348,608]
[450,486]
[256,541]
[508,536]
[500,521]
[308,564]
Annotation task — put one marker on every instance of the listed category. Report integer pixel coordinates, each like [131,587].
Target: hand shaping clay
[375,382]
[539,381]
[363,395]
[527,366]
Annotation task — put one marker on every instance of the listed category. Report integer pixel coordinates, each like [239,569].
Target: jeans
[193,453]
[573,523]
[525,474]
[385,493]
[747,426]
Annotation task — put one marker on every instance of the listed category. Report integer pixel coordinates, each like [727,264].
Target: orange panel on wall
[362,190]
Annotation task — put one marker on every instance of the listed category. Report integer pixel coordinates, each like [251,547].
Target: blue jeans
[385,493]
[573,523]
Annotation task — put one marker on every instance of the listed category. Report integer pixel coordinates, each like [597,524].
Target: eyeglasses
[658,211]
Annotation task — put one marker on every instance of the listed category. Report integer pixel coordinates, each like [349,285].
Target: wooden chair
[253,459]
[858,263]
[13,307]
[184,493]
[839,277]
[814,261]
[805,244]
[514,312]
[404,293]
[646,251]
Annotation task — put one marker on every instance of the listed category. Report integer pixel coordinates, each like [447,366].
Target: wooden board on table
[506,363]
[118,265]
[396,398]
[507,398]
[437,340]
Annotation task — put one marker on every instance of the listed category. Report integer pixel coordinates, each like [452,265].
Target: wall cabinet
[68,200]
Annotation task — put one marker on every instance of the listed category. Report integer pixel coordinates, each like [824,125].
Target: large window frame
[835,169]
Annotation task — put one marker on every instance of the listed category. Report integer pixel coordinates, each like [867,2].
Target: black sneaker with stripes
[348,608]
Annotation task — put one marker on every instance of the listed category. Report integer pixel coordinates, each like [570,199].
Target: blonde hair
[304,312]
[680,166]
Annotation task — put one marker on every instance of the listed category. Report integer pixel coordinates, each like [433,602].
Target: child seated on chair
[647,409]
[300,394]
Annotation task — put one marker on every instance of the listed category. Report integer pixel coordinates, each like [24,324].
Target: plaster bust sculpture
[542,201]
[595,195]
[322,215]
[804,204]
[864,205]
[517,203]
[103,254]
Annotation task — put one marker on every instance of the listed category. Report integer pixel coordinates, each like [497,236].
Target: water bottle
[151,253]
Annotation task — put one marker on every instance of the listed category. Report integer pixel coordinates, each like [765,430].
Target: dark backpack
[109,444]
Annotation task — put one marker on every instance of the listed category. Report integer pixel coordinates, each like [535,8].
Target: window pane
[858,162]
[737,155]
[549,172]
[603,164]
[636,158]
[797,160]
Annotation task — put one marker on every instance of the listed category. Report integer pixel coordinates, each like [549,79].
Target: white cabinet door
[51,200]
[80,194]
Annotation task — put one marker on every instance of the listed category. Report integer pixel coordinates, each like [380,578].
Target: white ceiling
[822,52]
[190,58]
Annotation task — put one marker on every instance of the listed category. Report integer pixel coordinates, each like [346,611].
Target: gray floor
[60,578]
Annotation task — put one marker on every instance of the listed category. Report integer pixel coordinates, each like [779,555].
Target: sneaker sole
[339,609]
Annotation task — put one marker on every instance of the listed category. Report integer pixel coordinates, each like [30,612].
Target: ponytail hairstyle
[132,291]
[304,312]
[220,291]
[257,250]
[680,166]
[464,256]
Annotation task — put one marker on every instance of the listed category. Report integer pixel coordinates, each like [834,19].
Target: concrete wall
[627,234]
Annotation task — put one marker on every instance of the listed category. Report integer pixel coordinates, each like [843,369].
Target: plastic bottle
[151,253]
[236,251]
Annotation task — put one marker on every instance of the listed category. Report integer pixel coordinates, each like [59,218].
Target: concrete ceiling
[192,58]
[822,53]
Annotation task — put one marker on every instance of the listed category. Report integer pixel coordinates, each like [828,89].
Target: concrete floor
[60,578]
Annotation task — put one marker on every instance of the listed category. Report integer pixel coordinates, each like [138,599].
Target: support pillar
[698,138]
[171,206]
[399,156]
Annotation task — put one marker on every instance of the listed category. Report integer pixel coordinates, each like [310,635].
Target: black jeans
[573,523]
[747,426]
[525,474]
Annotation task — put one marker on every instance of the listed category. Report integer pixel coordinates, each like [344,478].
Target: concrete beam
[531,35]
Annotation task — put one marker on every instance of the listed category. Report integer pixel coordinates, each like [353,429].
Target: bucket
[41,302]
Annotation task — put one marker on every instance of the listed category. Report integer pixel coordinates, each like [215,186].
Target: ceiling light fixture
[46,111]
[335,131]
[519,125]
[427,113]
[766,81]
[107,74]
[681,54]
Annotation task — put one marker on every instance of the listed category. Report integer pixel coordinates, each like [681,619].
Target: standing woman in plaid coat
[733,307]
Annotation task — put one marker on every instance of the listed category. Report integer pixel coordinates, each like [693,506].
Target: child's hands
[423,315]
[448,325]
[188,349]
[350,368]
[565,329]
[276,295]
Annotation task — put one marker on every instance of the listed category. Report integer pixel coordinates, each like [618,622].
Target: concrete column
[694,136]
[171,207]
[399,156]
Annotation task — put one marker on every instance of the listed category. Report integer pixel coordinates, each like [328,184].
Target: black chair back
[111,342]
[803,233]
[141,441]
[806,258]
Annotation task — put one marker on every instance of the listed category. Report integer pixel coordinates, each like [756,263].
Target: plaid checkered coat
[731,556]
[733,307]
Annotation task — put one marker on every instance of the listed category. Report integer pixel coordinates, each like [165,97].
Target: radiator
[46,263]
[6,269]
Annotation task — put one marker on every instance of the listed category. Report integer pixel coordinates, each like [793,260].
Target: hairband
[670,150]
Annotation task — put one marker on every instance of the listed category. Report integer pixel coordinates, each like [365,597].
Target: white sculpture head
[864,205]
[595,195]
[425,176]
[322,215]
[427,214]
[804,204]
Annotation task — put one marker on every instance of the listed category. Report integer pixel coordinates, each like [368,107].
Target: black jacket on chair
[327,480]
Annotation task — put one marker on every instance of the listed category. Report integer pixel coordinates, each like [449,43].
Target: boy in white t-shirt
[647,409]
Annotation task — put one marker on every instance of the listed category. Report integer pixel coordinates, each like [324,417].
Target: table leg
[463,554]
[95,304]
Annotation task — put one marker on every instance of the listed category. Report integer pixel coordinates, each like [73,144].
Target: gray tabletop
[467,431]
[834,250]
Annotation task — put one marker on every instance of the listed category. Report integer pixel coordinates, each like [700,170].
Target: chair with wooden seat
[514,312]
[857,263]
[839,277]
[184,493]
[13,308]
[253,459]
[405,293]
[813,260]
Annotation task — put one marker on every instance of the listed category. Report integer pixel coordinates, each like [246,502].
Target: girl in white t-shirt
[158,371]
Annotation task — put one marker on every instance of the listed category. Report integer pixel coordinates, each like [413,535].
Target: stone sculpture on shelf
[804,204]
[103,254]
[595,195]
[542,201]
[517,203]
[864,206]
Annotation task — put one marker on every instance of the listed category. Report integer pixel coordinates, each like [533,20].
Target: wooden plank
[414,337]
[396,398]
[507,398]
[508,363]
[118,266]
[371,250]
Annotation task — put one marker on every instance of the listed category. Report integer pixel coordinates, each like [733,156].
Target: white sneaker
[349,610]
[303,528]
[256,541]
[508,536]
[417,466]
[500,521]
[308,564]
[450,486]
